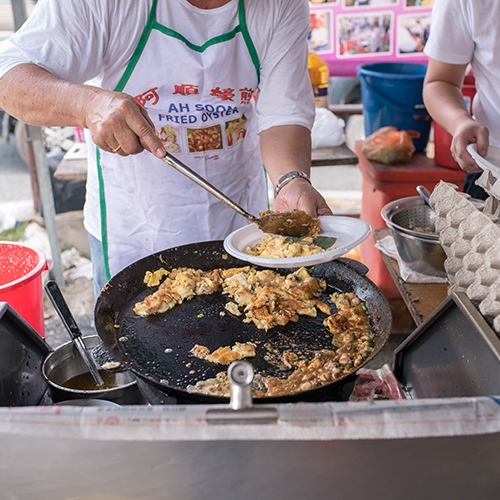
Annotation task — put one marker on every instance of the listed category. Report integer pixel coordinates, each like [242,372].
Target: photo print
[418,4]
[236,130]
[169,136]
[320,31]
[204,139]
[368,34]
[412,33]
[369,3]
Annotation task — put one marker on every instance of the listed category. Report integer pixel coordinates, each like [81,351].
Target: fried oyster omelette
[352,338]
[225,355]
[282,247]
[266,298]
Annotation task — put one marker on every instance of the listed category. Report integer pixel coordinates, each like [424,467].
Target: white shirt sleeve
[285,95]
[73,38]
[450,39]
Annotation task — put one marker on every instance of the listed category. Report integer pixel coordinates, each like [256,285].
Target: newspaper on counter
[296,422]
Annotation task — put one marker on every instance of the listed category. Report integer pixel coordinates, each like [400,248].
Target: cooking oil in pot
[85,382]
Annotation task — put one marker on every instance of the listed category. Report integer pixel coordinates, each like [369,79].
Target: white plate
[350,232]
[490,162]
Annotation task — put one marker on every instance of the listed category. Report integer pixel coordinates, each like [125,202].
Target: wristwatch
[289,177]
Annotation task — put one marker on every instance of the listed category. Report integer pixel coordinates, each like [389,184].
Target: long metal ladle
[60,305]
[294,223]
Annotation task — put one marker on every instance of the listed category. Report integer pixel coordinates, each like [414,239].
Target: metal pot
[420,251]
[65,363]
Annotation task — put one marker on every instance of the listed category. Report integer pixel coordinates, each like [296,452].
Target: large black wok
[157,348]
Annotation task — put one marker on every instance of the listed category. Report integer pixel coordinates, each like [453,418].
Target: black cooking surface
[199,321]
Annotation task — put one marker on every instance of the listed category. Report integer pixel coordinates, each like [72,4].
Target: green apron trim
[102,204]
[248,39]
[192,46]
[139,49]
[121,85]
[152,24]
[241,28]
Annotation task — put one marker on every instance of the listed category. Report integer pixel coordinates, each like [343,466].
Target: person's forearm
[35,96]
[285,148]
[117,123]
[446,104]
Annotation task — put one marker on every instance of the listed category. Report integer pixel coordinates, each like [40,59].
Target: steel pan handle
[241,411]
[240,375]
[62,309]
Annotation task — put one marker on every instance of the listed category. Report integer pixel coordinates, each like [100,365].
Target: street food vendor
[147,76]
[463,32]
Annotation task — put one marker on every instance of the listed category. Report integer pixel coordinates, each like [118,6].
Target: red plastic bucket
[442,139]
[21,269]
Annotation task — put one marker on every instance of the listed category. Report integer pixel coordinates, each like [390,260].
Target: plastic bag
[390,146]
[328,130]
[372,385]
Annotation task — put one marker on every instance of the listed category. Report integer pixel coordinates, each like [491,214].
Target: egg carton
[469,232]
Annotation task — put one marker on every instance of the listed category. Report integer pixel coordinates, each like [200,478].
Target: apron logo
[149,95]
[211,157]
[222,94]
[185,89]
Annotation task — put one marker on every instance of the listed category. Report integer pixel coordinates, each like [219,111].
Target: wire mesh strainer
[421,252]
[412,216]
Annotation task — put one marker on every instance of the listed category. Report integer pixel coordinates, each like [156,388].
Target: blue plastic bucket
[392,96]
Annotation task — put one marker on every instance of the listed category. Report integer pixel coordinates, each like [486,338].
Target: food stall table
[338,155]
[385,183]
[73,166]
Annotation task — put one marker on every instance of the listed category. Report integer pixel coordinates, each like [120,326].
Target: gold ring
[117,149]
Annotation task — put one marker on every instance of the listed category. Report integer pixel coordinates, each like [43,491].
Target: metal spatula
[293,223]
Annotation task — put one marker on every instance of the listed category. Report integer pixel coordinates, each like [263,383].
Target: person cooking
[463,32]
[125,70]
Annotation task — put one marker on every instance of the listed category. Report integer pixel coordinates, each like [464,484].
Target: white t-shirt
[468,31]
[91,41]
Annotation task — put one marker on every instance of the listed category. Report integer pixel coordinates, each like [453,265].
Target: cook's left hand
[300,195]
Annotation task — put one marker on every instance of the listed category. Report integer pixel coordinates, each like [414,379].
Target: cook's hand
[119,124]
[300,195]
[469,132]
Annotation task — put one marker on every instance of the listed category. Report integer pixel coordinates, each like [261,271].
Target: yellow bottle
[319,73]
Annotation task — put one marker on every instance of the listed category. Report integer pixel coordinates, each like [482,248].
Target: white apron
[200,100]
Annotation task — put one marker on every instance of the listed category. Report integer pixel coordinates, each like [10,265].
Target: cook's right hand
[469,132]
[300,195]
[119,124]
